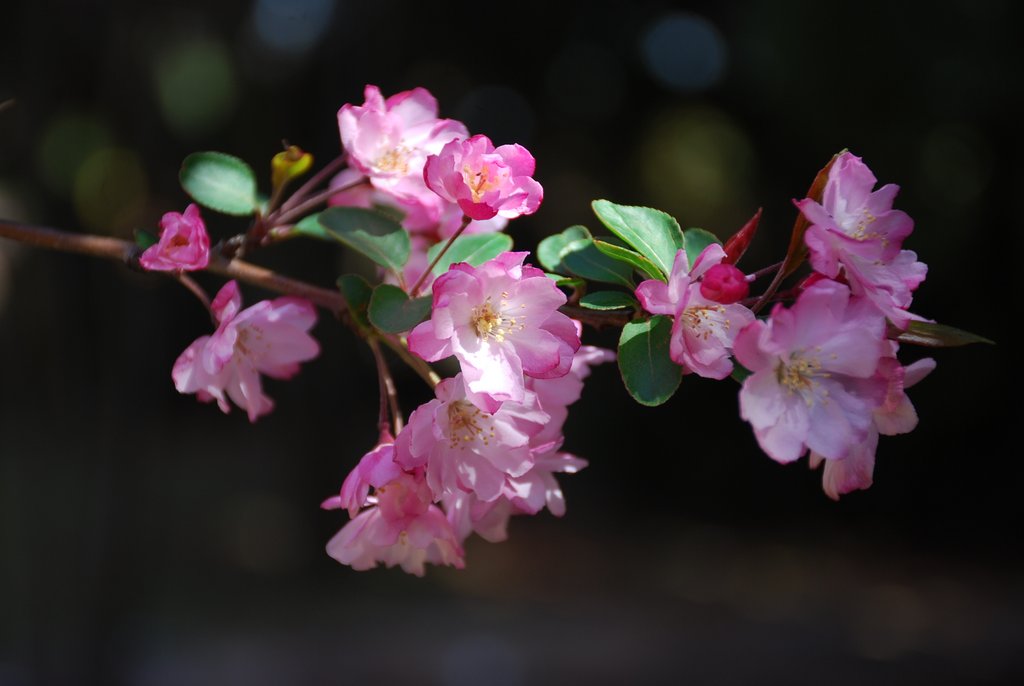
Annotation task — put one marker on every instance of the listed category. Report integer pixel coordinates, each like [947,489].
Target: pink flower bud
[724,284]
[184,244]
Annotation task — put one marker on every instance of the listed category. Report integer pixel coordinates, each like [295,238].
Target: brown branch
[598,319]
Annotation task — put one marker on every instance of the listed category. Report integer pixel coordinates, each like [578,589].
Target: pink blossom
[812,366]
[389,140]
[401,528]
[377,468]
[464,448]
[184,244]
[893,415]
[501,321]
[269,338]
[855,229]
[703,330]
[555,395]
[485,181]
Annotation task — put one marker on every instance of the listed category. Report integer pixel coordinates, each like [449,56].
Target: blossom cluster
[819,374]
[429,170]
[823,374]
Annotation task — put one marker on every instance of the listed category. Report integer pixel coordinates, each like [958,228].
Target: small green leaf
[475,250]
[391,310]
[356,292]
[696,240]
[739,372]
[550,249]
[630,257]
[652,233]
[582,258]
[381,239]
[938,336]
[144,238]
[310,226]
[650,376]
[608,300]
[221,182]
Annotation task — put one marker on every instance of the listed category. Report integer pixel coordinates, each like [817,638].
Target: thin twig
[194,288]
[388,394]
[329,169]
[423,277]
[290,215]
[754,276]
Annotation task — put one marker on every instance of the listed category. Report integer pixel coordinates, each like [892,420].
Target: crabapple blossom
[271,338]
[724,283]
[812,383]
[483,180]
[855,228]
[376,469]
[893,415]
[389,140]
[402,528]
[184,244]
[703,329]
[501,321]
[464,448]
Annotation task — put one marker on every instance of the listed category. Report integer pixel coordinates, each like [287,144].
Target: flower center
[799,376]
[700,319]
[466,423]
[394,160]
[480,181]
[491,323]
[860,231]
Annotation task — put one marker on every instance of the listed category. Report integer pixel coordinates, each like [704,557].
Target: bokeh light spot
[110,191]
[685,52]
[68,140]
[291,26]
[196,86]
[696,164]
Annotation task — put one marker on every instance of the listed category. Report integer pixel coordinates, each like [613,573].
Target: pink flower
[269,338]
[389,140]
[377,468]
[724,283]
[466,449]
[184,244]
[485,181]
[401,528]
[855,228]
[501,321]
[703,330]
[555,395]
[812,366]
[893,415]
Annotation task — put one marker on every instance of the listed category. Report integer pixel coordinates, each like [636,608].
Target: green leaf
[310,226]
[739,372]
[221,182]
[696,240]
[475,250]
[549,250]
[144,238]
[582,258]
[630,257]
[381,239]
[356,292]
[391,310]
[608,300]
[654,234]
[650,376]
[938,336]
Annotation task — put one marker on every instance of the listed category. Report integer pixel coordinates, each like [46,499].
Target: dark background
[148,539]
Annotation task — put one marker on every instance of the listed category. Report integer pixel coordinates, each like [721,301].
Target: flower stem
[288,216]
[423,277]
[388,394]
[329,169]
[195,289]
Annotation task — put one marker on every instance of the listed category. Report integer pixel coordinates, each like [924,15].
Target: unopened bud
[724,284]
